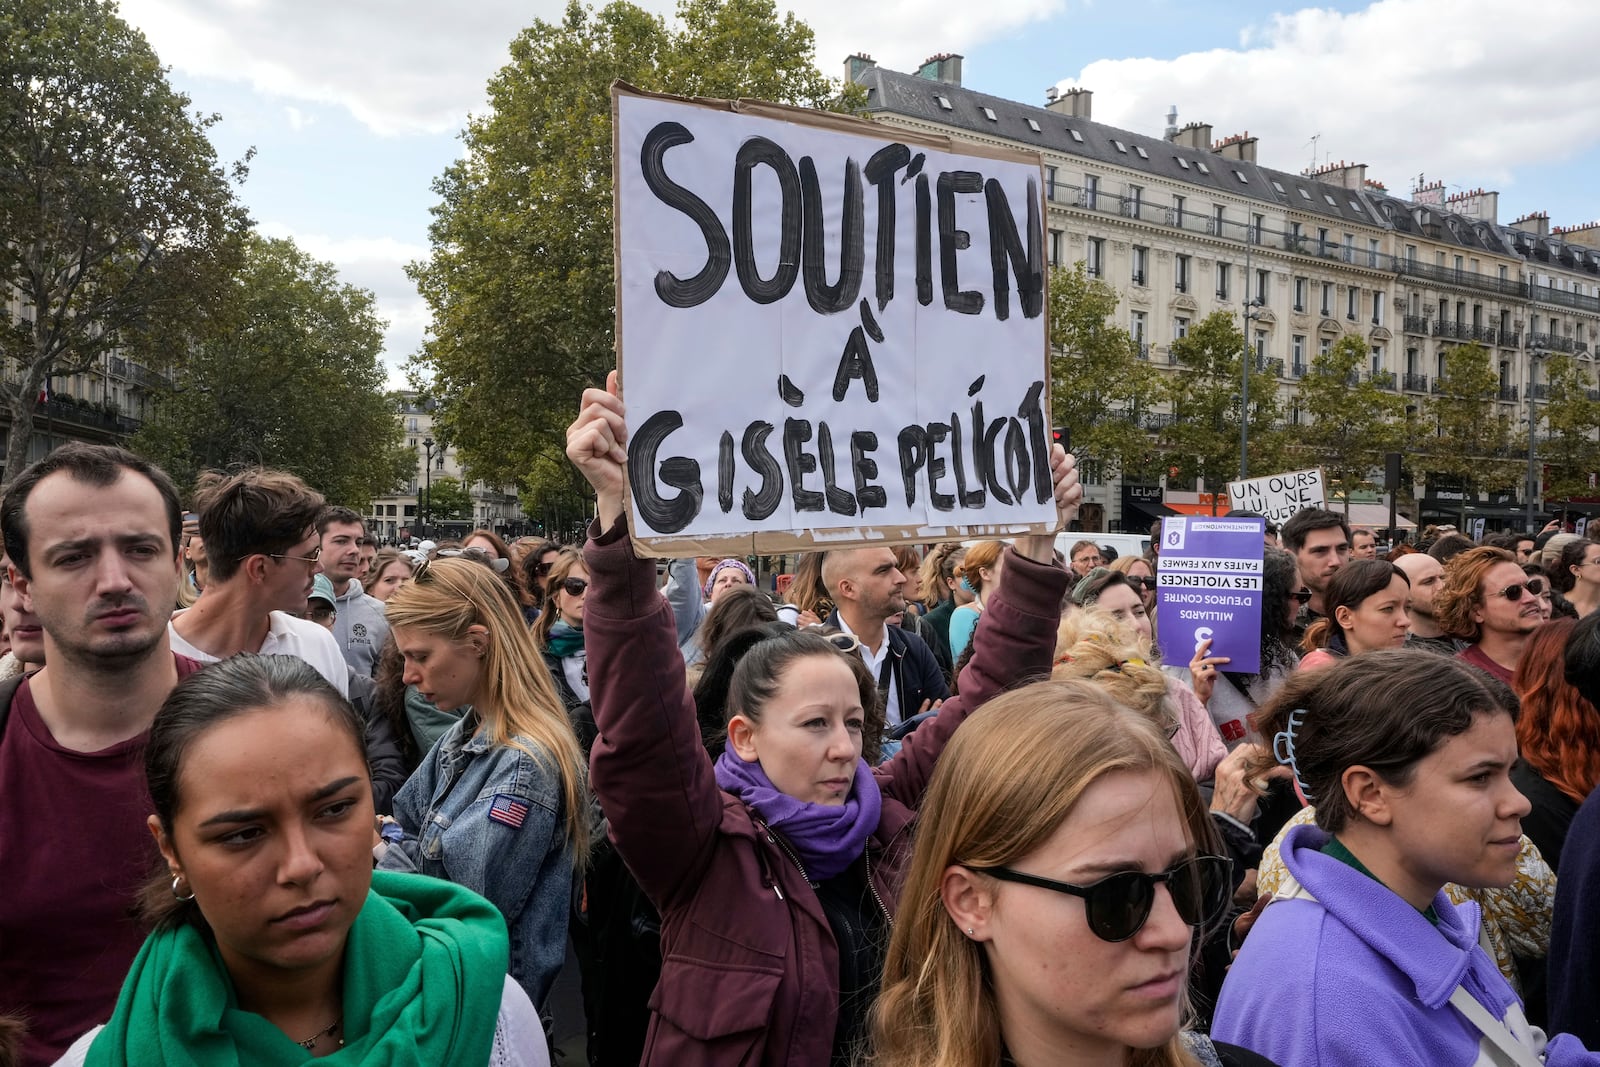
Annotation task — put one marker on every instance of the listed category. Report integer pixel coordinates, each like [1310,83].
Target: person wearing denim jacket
[526,871]
[499,804]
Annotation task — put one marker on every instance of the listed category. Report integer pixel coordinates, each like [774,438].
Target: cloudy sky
[353,106]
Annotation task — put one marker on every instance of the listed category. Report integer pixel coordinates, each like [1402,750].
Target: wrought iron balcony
[1384,379]
[1416,324]
[1508,392]
[1416,383]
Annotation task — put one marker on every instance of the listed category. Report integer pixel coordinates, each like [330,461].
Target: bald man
[868,588]
[1425,573]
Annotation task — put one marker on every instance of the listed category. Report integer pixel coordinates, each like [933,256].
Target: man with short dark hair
[259,527]
[1363,544]
[1319,540]
[868,588]
[91,533]
[360,628]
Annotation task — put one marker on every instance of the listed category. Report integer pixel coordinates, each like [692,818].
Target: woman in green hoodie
[275,942]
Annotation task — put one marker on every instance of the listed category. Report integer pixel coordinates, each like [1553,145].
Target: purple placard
[1208,584]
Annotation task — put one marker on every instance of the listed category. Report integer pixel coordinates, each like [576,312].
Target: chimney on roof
[1172,123]
[1345,175]
[1536,222]
[1240,146]
[1475,204]
[1587,235]
[1426,192]
[1194,135]
[1073,102]
[856,65]
[944,68]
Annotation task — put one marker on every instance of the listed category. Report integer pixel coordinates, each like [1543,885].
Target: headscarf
[711,579]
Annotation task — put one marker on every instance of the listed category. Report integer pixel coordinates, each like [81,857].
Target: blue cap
[322,589]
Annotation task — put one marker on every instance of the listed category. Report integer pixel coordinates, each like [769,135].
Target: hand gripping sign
[829,330]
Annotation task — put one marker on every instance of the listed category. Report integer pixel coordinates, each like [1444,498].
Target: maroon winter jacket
[750,969]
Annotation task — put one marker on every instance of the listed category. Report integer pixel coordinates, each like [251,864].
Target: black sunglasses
[1148,583]
[1513,593]
[1301,596]
[573,586]
[1117,906]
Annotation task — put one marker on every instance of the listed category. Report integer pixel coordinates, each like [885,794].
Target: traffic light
[1063,437]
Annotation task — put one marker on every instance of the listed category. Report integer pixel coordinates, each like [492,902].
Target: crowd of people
[271,793]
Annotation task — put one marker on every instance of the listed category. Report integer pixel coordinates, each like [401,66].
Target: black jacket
[917,677]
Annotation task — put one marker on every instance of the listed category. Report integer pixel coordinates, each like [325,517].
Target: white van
[1126,544]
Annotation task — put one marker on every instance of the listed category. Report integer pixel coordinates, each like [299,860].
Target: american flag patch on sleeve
[509,810]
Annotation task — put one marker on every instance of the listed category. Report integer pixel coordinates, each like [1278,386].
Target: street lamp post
[427,482]
[1533,475]
[1252,312]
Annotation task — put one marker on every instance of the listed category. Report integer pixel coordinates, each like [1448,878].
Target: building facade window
[1327,298]
[1136,325]
[1095,260]
[1377,309]
[1181,272]
[1223,270]
[1141,263]
[1056,237]
[1091,191]
[1261,285]
[1299,294]
[1352,295]
[1180,327]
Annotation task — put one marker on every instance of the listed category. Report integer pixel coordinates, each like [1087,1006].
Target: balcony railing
[1539,390]
[1544,294]
[1273,367]
[78,415]
[1415,383]
[1384,379]
[1172,356]
[1158,420]
[1465,279]
[1550,342]
[1415,324]
[1508,392]
[1297,370]
[1144,350]
[1510,339]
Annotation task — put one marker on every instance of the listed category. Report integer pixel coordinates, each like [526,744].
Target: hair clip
[1283,750]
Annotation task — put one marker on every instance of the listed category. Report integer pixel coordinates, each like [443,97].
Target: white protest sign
[1279,496]
[828,330]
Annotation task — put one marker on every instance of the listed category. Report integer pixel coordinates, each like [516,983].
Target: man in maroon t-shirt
[92,534]
[1487,599]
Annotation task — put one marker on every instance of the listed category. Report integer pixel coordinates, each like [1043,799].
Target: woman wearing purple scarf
[776,869]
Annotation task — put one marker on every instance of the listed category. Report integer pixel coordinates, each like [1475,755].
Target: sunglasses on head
[1118,906]
[837,638]
[574,586]
[1513,593]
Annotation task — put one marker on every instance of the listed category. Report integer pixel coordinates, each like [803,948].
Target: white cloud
[406,66]
[299,120]
[1461,91]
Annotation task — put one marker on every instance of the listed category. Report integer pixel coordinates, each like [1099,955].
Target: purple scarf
[827,837]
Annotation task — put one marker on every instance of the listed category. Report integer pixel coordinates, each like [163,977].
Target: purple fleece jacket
[1357,976]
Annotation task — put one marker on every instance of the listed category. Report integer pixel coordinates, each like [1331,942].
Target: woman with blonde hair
[1053,926]
[499,805]
[978,574]
[807,592]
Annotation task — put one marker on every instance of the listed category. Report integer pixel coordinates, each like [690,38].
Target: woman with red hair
[1559,737]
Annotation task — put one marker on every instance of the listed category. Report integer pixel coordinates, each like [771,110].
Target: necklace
[311,1041]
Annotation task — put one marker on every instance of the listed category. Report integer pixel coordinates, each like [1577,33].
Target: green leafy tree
[117,225]
[1354,419]
[448,500]
[519,280]
[1202,438]
[1571,418]
[1472,444]
[290,378]
[1100,388]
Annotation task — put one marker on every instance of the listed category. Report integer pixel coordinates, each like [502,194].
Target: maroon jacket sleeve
[1015,642]
[648,766]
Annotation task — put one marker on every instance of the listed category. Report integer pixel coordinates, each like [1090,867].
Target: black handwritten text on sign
[823,329]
